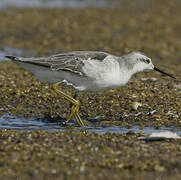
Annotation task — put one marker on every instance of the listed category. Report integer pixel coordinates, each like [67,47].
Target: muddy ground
[153,28]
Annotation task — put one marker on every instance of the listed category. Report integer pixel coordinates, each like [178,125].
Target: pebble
[157,136]
[149,79]
[135,105]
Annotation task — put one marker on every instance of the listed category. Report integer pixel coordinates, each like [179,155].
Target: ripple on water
[12,122]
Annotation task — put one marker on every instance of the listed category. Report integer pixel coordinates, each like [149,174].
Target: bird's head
[141,62]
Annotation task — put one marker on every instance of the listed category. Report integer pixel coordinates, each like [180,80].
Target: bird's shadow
[58,120]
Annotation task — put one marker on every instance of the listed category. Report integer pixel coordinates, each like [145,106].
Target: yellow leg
[75,107]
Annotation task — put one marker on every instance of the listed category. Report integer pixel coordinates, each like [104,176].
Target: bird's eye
[147,61]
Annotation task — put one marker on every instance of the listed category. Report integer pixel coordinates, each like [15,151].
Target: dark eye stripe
[145,60]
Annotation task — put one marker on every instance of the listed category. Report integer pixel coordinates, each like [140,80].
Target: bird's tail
[12,57]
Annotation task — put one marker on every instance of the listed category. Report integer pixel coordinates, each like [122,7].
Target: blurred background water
[54,3]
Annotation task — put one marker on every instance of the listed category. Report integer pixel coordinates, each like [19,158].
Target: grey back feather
[71,61]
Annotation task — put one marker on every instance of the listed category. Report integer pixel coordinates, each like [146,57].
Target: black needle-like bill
[156,69]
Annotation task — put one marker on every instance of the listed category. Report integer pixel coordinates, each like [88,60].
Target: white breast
[107,73]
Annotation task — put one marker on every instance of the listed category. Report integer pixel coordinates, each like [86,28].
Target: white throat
[138,67]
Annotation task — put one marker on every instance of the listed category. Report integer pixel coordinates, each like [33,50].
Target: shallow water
[5,50]
[12,122]
[53,3]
